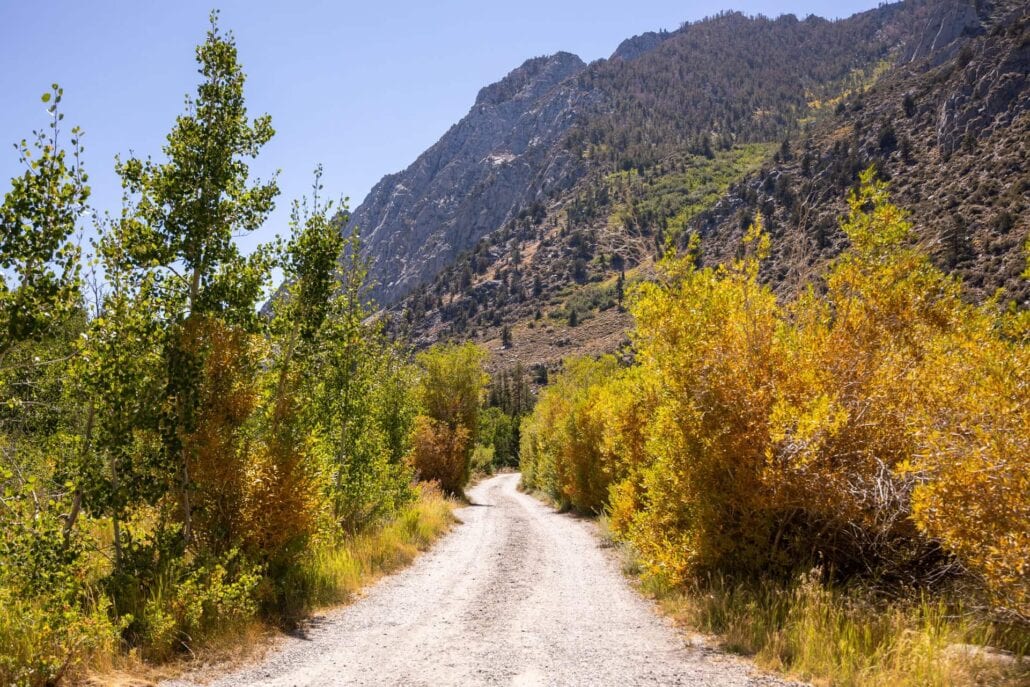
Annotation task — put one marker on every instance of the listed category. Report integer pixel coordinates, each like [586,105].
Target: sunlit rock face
[505,154]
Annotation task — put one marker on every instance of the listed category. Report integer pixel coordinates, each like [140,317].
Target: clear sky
[362,88]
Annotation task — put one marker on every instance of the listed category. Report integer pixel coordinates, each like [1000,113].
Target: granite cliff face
[939,103]
[503,156]
[564,178]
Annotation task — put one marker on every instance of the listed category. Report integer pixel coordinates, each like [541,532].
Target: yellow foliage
[282,500]
[217,448]
[561,451]
[704,339]
[450,391]
[439,453]
[972,466]
[876,425]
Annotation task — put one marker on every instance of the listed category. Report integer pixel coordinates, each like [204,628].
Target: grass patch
[587,300]
[848,637]
[675,191]
[36,650]
[329,574]
[334,573]
[844,637]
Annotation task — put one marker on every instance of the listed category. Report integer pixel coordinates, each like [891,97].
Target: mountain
[502,156]
[632,48]
[950,132]
[523,226]
[540,129]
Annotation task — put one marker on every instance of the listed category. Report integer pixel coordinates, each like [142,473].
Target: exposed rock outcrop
[632,48]
[503,156]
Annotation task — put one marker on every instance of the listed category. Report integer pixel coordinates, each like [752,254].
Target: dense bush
[560,452]
[876,426]
[450,391]
[174,461]
[441,453]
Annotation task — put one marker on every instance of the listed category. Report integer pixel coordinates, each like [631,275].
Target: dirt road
[516,595]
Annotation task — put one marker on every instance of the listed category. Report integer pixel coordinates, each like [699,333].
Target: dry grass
[336,573]
[847,637]
[331,575]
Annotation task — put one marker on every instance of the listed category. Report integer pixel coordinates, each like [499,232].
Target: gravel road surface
[519,595]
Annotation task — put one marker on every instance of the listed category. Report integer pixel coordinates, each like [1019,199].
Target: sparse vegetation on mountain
[907,111]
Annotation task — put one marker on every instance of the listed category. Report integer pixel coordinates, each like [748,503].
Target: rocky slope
[953,137]
[501,157]
[531,136]
[524,226]
[945,119]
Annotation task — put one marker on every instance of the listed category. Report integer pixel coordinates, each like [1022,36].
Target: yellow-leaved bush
[877,425]
[973,463]
[440,453]
[561,442]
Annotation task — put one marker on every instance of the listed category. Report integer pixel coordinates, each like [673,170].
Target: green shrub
[50,638]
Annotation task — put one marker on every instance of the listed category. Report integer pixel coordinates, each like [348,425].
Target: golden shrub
[562,443]
[972,465]
[217,448]
[440,453]
[878,425]
[704,340]
[282,506]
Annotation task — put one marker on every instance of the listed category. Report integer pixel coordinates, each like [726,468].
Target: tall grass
[37,649]
[333,573]
[849,637]
[329,573]
[844,636]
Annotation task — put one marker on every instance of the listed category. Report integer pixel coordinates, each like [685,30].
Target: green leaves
[38,218]
[184,213]
[451,386]
[163,443]
[173,249]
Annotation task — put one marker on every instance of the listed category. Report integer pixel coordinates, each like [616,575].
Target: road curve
[519,595]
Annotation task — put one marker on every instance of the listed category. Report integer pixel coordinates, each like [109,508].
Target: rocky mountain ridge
[534,134]
[949,129]
[500,157]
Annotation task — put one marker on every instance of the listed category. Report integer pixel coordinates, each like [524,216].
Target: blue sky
[362,88]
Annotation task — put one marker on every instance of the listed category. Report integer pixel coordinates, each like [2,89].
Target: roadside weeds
[337,574]
[845,637]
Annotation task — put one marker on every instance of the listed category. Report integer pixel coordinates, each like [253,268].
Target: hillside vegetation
[555,124]
[951,136]
[874,430]
[935,94]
